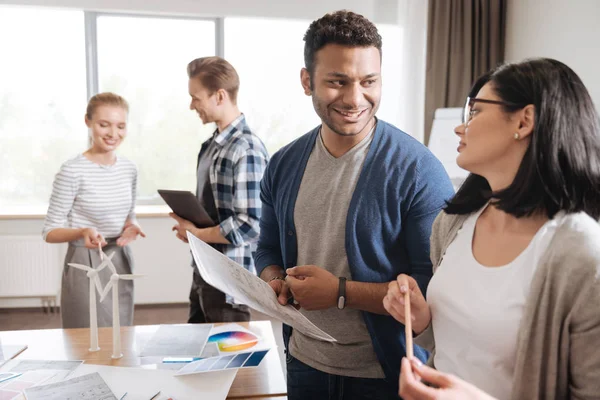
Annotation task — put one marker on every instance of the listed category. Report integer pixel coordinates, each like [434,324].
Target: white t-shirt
[476,310]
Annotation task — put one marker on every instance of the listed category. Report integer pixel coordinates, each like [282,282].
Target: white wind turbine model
[114,284]
[95,284]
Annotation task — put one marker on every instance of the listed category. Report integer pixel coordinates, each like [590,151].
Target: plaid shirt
[235,175]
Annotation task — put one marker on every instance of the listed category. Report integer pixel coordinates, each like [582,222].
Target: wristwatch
[341,303]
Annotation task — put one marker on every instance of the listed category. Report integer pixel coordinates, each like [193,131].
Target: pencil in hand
[408,326]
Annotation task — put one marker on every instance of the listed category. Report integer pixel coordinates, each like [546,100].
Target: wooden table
[264,381]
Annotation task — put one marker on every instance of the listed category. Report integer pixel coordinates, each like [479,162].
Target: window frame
[91,39]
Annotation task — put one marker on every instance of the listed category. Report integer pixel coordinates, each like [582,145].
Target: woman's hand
[129,234]
[92,238]
[393,302]
[447,387]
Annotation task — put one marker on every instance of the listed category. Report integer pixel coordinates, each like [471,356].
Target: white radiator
[29,267]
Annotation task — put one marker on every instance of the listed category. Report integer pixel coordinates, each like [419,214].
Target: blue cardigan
[401,189]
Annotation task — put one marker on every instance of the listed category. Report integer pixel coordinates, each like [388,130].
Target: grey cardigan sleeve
[584,343]
[443,231]
[425,338]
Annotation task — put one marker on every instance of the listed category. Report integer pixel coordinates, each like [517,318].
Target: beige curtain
[465,39]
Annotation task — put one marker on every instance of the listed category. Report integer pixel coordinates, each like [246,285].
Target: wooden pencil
[408,326]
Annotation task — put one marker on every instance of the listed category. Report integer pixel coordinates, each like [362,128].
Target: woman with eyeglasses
[513,307]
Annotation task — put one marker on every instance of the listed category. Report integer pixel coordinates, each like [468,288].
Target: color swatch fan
[230,346]
[232,341]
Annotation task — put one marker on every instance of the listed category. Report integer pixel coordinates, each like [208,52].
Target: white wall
[160,256]
[567,30]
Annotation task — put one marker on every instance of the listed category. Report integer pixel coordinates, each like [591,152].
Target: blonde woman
[91,206]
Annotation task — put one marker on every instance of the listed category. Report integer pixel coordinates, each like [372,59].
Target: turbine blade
[79,266]
[110,265]
[105,262]
[130,277]
[98,284]
[106,290]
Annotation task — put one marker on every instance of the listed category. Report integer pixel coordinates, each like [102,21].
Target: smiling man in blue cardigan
[345,209]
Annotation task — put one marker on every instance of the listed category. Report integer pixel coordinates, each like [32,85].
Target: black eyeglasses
[471,100]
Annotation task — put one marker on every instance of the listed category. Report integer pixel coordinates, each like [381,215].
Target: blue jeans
[307,383]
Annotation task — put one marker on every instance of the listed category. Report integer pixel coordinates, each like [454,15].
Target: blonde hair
[215,73]
[105,99]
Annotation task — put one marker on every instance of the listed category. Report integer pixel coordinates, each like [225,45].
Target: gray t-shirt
[320,220]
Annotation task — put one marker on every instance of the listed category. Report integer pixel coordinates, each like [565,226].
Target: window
[269,54]
[43,81]
[393,95]
[42,100]
[145,60]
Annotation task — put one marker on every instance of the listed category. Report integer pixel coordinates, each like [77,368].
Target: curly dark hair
[341,27]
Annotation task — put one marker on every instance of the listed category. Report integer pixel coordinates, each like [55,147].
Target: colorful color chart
[241,360]
[232,341]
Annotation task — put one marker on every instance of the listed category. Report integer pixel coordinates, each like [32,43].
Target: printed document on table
[229,277]
[61,369]
[86,387]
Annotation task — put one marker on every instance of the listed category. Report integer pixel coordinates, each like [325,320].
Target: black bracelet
[341,303]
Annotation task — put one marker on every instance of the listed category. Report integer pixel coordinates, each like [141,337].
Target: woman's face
[488,146]
[108,127]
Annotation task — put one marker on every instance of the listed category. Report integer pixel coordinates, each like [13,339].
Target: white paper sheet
[177,341]
[229,277]
[61,369]
[85,387]
[9,351]
[142,384]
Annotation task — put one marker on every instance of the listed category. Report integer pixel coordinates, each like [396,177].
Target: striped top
[86,194]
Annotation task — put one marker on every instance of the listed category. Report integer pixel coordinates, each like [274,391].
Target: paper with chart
[32,373]
[229,277]
[12,388]
[86,387]
[185,340]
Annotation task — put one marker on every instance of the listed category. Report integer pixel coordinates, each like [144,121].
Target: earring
[517,136]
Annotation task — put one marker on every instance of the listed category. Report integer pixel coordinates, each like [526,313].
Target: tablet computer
[186,205]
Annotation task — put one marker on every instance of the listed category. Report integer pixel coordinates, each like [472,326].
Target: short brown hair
[105,99]
[215,73]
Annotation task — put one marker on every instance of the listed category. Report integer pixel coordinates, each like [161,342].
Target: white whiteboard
[443,142]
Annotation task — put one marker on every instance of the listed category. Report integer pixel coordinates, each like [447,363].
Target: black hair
[560,170]
[341,27]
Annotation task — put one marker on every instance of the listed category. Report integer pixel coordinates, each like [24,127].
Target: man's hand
[273,275]
[281,289]
[129,234]
[181,227]
[314,288]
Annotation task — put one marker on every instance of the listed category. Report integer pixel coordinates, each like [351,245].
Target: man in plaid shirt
[230,167]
